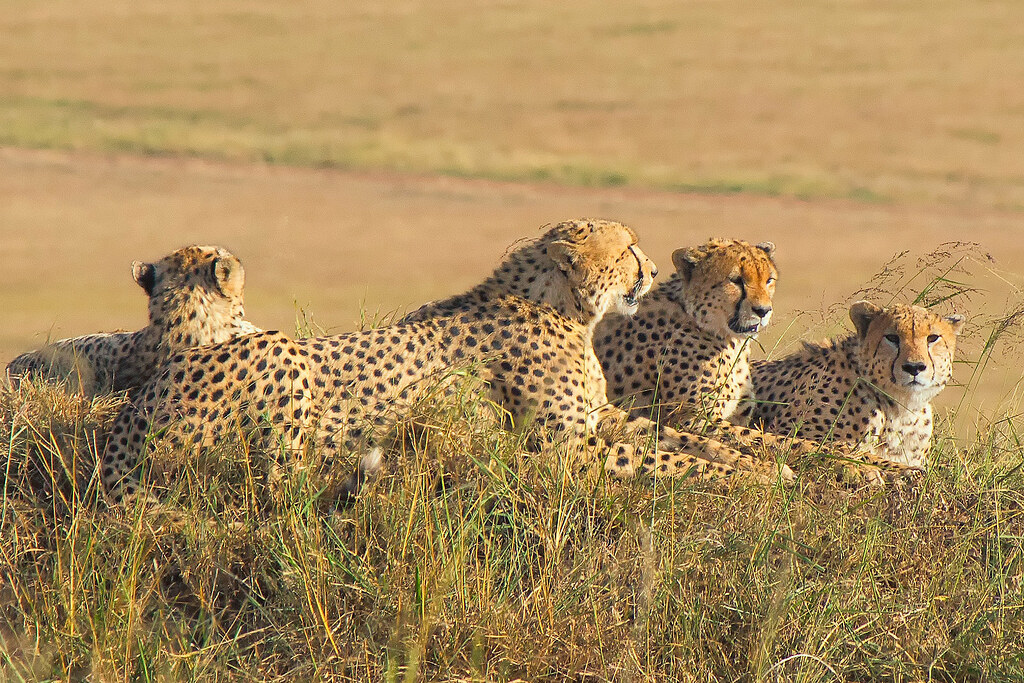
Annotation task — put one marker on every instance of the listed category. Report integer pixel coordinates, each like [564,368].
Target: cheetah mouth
[735,326]
[917,386]
[631,300]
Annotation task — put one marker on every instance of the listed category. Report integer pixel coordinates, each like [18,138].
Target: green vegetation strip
[81,125]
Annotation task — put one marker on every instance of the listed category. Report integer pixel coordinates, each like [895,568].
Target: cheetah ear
[862,313]
[145,275]
[229,275]
[564,254]
[766,247]
[685,260]
[956,321]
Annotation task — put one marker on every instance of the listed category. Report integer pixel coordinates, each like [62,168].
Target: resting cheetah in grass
[873,387]
[683,359]
[686,351]
[534,355]
[195,298]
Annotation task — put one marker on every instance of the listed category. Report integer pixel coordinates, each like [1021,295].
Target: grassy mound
[469,559]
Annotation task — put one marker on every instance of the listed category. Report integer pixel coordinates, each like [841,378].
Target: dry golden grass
[872,100]
[471,561]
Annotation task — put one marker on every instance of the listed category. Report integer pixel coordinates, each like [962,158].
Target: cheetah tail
[369,465]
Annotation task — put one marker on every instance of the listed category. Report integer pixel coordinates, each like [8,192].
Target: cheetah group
[569,339]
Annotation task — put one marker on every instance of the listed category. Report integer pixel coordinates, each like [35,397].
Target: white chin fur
[917,387]
[624,308]
[920,393]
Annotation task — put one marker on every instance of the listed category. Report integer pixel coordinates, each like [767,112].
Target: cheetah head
[728,285]
[205,280]
[598,268]
[907,351]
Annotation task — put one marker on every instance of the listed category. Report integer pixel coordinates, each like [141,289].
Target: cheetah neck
[708,374]
[527,274]
[191,318]
[672,290]
[724,379]
[721,362]
[722,349]
[673,293]
[530,274]
[907,436]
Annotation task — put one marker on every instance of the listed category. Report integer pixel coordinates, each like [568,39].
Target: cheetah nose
[761,311]
[654,272]
[913,368]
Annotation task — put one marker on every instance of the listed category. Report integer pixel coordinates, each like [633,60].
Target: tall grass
[472,560]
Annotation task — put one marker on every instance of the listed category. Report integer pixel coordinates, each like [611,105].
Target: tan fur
[548,271]
[526,332]
[687,347]
[683,359]
[874,387]
[195,297]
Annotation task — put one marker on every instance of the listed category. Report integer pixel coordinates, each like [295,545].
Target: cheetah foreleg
[625,461]
[852,460]
[672,442]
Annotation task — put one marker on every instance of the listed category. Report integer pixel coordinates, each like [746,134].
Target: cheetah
[533,355]
[872,387]
[686,351]
[683,359]
[195,298]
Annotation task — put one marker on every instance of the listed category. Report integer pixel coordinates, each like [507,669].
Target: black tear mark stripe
[739,304]
[639,265]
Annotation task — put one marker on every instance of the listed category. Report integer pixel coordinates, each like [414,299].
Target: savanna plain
[362,158]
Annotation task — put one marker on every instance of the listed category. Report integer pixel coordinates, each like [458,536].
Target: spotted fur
[873,387]
[685,353]
[683,359]
[533,354]
[195,297]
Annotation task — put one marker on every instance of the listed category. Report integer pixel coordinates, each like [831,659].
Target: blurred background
[364,157]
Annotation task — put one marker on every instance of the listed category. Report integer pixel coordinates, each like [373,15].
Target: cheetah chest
[907,436]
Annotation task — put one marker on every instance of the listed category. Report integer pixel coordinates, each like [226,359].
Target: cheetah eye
[771,281]
[893,339]
[932,338]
